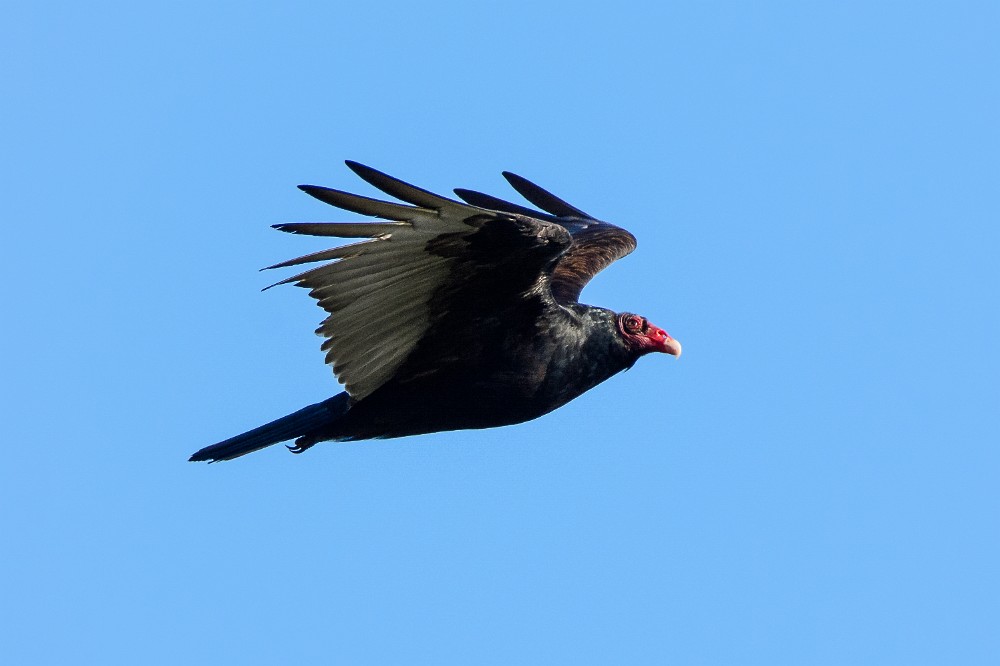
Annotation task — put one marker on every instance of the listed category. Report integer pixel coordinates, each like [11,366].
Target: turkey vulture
[454,315]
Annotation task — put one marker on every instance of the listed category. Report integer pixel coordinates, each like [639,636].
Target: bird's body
[510,380]
[456,316]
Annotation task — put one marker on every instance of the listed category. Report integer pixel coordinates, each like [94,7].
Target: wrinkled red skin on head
[644,337]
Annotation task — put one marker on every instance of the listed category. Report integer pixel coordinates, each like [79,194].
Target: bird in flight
[454,314]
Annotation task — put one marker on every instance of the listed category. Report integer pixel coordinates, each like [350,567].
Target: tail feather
[306,421]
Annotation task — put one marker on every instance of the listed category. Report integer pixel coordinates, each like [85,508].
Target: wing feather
[490,202]
[542,198]
[596,244]
[364,205]
[402,190]
[383,295]
[340,229]
[342,252]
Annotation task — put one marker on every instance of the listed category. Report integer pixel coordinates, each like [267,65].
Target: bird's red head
[644,337]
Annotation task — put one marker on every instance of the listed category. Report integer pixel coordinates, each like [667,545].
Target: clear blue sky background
[814,189]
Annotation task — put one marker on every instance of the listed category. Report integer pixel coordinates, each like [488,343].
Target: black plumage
[455,315]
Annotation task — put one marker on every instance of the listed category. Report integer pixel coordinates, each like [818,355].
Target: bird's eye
[632,324]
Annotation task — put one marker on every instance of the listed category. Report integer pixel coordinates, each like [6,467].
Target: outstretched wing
[427,259]
[596,244]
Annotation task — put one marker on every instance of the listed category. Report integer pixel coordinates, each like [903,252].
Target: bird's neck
[591,353]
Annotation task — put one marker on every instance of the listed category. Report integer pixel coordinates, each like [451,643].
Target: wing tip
[544,199]
[312,190]
[374,177]
[356,166]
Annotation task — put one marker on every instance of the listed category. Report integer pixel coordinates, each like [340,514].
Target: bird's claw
[299,446]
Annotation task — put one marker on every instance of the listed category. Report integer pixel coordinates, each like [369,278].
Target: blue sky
[813,186]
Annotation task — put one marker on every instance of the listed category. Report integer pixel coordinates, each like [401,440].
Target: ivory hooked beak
[672,347]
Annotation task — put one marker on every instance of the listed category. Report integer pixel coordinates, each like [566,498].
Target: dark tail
[304,422]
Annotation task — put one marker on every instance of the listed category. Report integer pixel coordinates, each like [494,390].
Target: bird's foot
[301,444]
